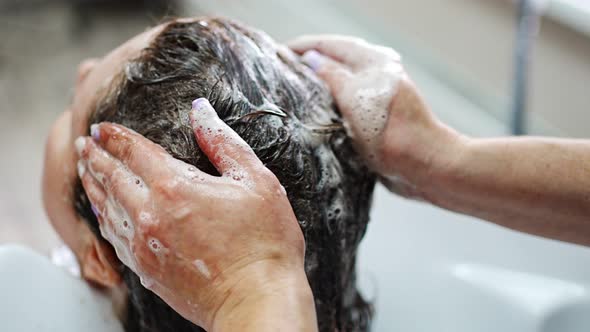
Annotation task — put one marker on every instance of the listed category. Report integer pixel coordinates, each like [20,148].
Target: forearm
[535,185]
[287,305]
[539,186]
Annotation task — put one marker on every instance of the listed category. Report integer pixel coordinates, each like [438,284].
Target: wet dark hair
[286,114]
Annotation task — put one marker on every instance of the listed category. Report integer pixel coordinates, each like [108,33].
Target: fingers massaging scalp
[118,227]
[135,200]
[364,80]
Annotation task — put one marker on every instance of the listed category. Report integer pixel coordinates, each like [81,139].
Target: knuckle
[92,192]
[270,182]
[91,152]
[118,139]
[266,175]
[125,147]
[358,41]
[166,188]
[145,259]
[299,242]
[116,181]
[390,53]
[145,230]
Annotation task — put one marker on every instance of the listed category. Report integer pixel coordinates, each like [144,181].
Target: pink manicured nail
[95,132]
[94,210]
[199,103]
[313,59]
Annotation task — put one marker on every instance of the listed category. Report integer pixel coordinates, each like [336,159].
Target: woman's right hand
[226,252]
[387,119]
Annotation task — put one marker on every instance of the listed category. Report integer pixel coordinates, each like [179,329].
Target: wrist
[422,155]
[270,299]
[444,161]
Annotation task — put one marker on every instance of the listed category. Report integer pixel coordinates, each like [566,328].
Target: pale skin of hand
[230,251]
[535,185]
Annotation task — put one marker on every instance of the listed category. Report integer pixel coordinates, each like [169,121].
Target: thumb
[334,73]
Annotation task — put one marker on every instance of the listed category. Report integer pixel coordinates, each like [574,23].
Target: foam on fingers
[228,152]
[93,189]
[137,153]
[365,91]
[365,103]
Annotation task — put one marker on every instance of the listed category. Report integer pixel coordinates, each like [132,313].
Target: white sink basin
[426,270]
[37,296]
[433,271]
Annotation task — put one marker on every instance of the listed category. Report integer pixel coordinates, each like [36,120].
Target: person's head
[271,100]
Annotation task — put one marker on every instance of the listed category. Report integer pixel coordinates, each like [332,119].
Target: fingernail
[81,168]
[80,144]
[200,104]
[313,59]
[202,112]
[94,210]
[95,132]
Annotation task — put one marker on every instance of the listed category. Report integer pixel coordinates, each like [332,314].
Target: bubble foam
[202,267]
